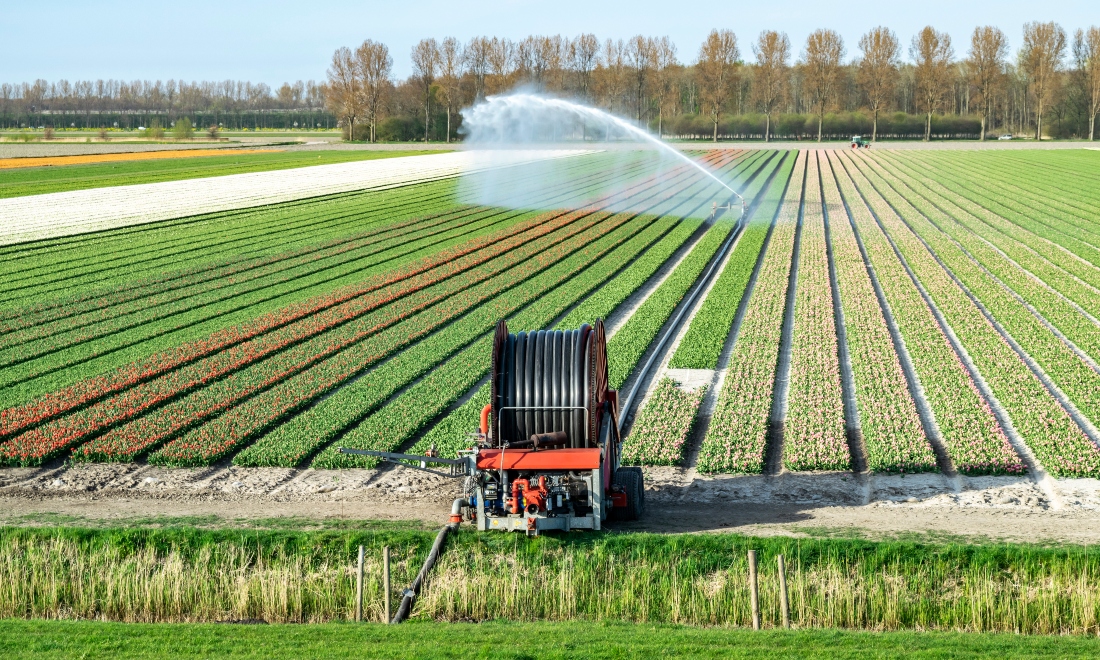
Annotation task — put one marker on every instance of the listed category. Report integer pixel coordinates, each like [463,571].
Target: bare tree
[773,53]
[1041,59]
[425,62]
[665,63]
[502,62]
[475,59]
[821,70]
[523,58]
[374,65]
[640,58]
[932,53]
[985,66]
[343,97]
[716,70]
[612,71]
[583,52]
[558,56]
[1086,52]
[878,70]
[450,65]
[546,61]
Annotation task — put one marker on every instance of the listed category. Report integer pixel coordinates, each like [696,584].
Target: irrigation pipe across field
[685,307]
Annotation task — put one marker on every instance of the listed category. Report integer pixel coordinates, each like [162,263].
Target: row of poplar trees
[644,78]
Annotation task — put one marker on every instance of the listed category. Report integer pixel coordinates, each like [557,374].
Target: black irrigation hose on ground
[685,307]
[411,593]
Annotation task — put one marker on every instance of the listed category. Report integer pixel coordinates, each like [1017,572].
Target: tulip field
[874,310]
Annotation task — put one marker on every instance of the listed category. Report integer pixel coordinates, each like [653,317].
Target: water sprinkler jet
[526,117]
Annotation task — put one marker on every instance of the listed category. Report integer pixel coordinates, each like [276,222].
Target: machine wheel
[641,490]
[630,480]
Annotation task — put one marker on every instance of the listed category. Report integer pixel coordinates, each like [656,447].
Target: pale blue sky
[272,41]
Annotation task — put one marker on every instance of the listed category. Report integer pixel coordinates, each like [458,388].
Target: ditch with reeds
[278,576]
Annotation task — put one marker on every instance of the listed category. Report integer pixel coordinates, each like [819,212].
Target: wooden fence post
[784,605]
[386,580]
[754,591]
[359,588]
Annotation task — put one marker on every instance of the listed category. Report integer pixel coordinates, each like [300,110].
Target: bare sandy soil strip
[679,501]
[89,159]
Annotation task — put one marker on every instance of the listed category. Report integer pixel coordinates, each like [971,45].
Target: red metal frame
[585,458]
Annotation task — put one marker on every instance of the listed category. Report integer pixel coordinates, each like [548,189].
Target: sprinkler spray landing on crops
[522,118]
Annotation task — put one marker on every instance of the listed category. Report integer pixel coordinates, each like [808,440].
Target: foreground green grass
[39,180]
[498,639]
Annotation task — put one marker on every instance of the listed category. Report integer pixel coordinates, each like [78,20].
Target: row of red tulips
[332,331]
[388,285]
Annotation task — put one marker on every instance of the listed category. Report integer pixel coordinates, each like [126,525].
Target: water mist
[529,120]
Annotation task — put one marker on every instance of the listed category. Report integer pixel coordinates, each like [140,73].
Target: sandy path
[930,506]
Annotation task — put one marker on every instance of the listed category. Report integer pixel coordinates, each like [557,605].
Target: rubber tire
[630,480]
[641,490]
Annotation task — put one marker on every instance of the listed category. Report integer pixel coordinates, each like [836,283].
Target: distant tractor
[860,141]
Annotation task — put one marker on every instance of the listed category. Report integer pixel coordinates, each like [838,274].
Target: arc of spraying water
[521,102]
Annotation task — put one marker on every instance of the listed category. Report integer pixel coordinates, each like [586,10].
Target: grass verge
[499,639]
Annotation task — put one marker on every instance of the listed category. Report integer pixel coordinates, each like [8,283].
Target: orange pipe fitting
[485,418]
[514,502]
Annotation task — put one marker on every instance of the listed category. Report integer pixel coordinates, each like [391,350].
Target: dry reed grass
[708,586]
[150,575]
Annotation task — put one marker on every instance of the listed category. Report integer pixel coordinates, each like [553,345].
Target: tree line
[1049,85]
[232,104]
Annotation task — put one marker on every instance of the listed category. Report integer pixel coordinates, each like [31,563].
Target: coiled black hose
[544,369]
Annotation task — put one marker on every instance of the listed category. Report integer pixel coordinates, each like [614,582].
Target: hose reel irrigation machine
[547,451]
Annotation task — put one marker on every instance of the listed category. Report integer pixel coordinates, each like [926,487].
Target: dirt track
[928,506]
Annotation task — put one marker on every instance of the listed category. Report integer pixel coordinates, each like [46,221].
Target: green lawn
[38,180]
[87,639]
